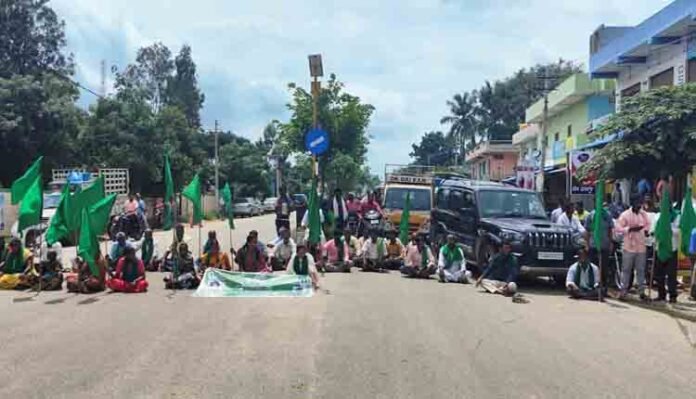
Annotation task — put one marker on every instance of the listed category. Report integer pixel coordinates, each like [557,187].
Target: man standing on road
[568,218]
[451,263]
[556,213]
[340,210]
[599,254]
[283,208]
[582,280]
[142,210]
[501,275]
[634,224]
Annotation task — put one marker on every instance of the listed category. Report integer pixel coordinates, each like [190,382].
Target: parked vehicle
[269,204]
[371,220]
[415,182]
[479,213]
[258,206]
[244,207]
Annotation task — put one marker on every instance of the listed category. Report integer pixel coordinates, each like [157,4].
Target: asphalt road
[362,336]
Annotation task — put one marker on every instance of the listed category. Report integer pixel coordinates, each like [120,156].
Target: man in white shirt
[283,251]
[582,280]
[373,252]
[567,218]
[558,211]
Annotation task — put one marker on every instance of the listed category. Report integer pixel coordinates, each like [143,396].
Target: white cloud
[405,57]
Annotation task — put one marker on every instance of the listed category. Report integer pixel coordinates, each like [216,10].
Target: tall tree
[434,149]
[148,77]
[183,90]
[463,118]
[33,39]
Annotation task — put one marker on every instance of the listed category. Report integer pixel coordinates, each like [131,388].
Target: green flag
[598,215]
[22,185]
[314,217]
[687,222]
[405,216]
[193,193]
[168,195]
[88,245]
[31,206]
[100,214]
[84,200]
[59,227]
[663,228]
[226,195]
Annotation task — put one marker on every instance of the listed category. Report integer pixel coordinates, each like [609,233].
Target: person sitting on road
[83,280]
[148,252]
[373,252]
[184,276]
[354,247]
[179,236]
[568,218]
[118,249]
[395,251]
[18,264]
[337,255]
[451,266]
[501,274]
[212,256]
[250,258]
[302,264]
[50,273]
[582,280]
[129,276]
[419,261]
[283,251]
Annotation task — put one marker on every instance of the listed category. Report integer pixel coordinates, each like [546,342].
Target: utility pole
[316,70]
[217,169]
[543,142]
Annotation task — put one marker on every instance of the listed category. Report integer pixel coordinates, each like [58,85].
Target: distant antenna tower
[102,88]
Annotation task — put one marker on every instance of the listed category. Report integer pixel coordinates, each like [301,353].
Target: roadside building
[576,105]
[526,141]
[492,160]
[660,51]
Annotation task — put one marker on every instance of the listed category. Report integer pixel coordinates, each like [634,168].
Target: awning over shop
[601,142]
[552,170]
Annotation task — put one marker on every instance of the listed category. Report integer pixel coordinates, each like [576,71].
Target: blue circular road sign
[317,141]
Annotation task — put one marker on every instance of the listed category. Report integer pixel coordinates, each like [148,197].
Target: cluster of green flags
[85,213]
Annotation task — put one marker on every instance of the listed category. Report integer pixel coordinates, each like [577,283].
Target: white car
[269,204]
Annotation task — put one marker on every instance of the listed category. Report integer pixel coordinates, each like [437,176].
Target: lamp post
[316,70]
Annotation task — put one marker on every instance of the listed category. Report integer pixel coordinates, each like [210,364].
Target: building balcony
[615,47]
[488,148]
[527,133]
[571,91]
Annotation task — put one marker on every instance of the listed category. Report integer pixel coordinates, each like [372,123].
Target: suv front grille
[549,240]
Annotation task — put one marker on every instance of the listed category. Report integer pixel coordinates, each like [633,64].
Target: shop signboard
[577,186]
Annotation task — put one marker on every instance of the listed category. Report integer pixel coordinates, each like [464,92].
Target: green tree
[148,77]
[658,134]
[463,118]
[33,39]
[183,90]
[434,149]
[341,114]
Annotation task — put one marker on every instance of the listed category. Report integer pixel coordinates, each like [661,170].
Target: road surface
[363,336]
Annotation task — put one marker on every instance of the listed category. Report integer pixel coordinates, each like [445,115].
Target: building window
[691,71]
[570,131]
[664,78]
[631,91]
[556,136]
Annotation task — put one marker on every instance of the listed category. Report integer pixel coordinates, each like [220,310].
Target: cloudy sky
[406,57]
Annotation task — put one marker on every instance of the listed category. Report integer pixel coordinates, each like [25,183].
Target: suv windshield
[516,204]
[396,198]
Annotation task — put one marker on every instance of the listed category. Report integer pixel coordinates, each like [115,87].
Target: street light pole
[217,169]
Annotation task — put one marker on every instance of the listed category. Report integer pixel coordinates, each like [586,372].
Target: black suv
[478,213]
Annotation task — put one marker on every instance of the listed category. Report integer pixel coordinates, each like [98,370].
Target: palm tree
[463,118]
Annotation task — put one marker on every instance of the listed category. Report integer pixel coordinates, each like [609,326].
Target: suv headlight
[511,235]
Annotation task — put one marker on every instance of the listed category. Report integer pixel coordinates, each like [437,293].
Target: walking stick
[652,273]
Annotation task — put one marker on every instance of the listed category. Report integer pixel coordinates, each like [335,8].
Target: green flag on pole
[193,193]
[88,245]
[31,206]
[598,215]
[22,185]
[314,217]
[84,200]
[100,214]
[405,216]
[687,222]
[59,227]
[226,195]
[663,228]
[168,195]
